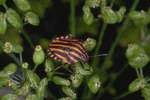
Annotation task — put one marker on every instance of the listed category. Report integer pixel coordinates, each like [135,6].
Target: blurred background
[54,21]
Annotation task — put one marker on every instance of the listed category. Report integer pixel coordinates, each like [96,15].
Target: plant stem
[35,67]
[104,26]
[125,24]
[118,74]
[73,17]
[21,58]
[138,73]
[122,95]
[15,59]
[27,37]
[95,60]
[141,72]
[114,80]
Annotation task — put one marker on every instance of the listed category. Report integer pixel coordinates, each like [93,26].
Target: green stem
[114,80]
[125,24]
[73,17]
[5,6]
[122,95]
[35,67]
[138,73]
[21,58]
[15,59]
[27,37]
[141,72]
[100,38]
[118,74]
[95,60]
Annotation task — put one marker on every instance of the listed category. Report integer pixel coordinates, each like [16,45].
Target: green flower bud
[25,65]
[89,44]
[41,88]
[83,70]
[10,69]
[94,83]
[146,93]
[32,18]
[32,78]
[24,90]
[17,48]
[139,18]
[76,80]
[49,66]
[137,84]
[3,23]
[31,97]
[13,18]
[93,3]
[38,55]
[108,15]
[7,48]
[2,2]
[60,81]
[9,97]
[69,92]
[23,5]
[65,98]
[87,16]
[120,14]
[136,55]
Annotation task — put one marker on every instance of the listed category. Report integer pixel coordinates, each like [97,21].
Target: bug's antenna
[99,55]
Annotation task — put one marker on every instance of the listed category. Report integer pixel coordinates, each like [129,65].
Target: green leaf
[13,18]
[10,69]
[41,88]
[60,81]
[23,5]
[146,92]
[17,48]
[32,78]
[69,92]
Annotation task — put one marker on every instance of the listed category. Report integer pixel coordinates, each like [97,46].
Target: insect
[67,49]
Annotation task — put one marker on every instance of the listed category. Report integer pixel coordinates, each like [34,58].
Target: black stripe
[83,55]
[69,44]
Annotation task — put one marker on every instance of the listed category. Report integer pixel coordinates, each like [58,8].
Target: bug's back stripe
[77,44]
[67,46]
[74,56]
[74,52]
[61,56]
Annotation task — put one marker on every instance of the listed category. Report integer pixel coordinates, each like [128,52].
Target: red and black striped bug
[67,49]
